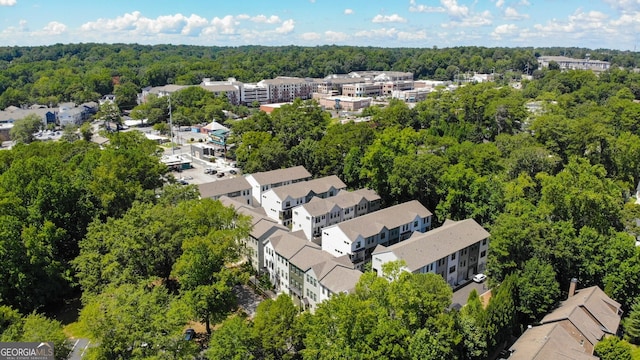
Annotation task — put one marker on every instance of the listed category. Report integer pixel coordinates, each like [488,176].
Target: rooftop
[281,175]
[302,189]
[223,187]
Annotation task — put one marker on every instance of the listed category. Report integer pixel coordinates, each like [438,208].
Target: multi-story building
[230,88]
[278,202]
[69,114]
[278,249]
[237,188]
[567,63]
[362,90]
[285,89]
[456,251]
[344,103]
[358,237]
[328,278]
[318,213]
[263,181]
[250,93]
[261,228]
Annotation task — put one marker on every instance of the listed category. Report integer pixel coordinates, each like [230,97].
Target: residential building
[572,330]
[278,249]
[160,91]
[391,86]
[411,96]
[382,76]
[318,213]
[362,90]
[567,63]
[359,236]
[278,202]
[261,229]
[456,251]
[328,278]
[285,89]
[230,88]
[263,181]
[69,114]
[251,93]
[12,113]
[237,188]
[303,287]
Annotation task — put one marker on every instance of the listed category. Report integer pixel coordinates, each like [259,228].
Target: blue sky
[613,24]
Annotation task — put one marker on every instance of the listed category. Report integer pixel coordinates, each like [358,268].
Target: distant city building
[567,63]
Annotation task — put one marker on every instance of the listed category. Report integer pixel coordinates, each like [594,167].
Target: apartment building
[457,250]
[362,90]
[261,229]
[285,89]
[231,88]
[318,213]
[278,249]
[263,181]
[358,237]
[567,63]
[327,278]
[250,93]
[278,202]
[237,188]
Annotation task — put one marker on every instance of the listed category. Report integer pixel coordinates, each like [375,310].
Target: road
[80,347]
[461,295]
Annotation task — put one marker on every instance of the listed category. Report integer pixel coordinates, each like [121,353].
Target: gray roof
[281,175]
[591,311]
[13,113]
[288,244]
[262,226]
[309,256]
[392,217]
[345,199]
[283,80]
[337,275]
[422,249]
[317,186]
[550,341]
[220,87]
[223,187]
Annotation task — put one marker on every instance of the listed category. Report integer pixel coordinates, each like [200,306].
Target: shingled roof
[275,176]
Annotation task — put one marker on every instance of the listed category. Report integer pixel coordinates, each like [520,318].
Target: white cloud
[499,3]
[348,11]
[243,17]
[412,36]
[475,20]
[512,14]
[624,5]
[524,3]
[287,27]
[7,2]
[226,25]
[273,19]
[194,25]
[335,36]
[54,28]
[504,29]
[309,36]
[377,33]
[455,10]
[388,18]
[413,7]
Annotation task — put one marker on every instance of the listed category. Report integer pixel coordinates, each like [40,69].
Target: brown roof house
[573,329]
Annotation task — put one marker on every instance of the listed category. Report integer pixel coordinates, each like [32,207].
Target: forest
[146,257]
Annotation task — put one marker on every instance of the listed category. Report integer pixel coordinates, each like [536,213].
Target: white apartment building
[278,202]
[567,63]
[358,237]
[318,213]
[456,251]
[263,181]
[69,114]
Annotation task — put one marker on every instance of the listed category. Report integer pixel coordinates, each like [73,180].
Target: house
[261,229]
[302,287]
[237,188]
[318,213]
[572,330]
[359,236]
[456,251]
[278,202]
[263,181]
[278,249]
[328,278]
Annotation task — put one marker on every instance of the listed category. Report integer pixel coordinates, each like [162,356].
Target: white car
[479,278]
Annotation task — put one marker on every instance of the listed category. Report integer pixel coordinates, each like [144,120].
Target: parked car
[210,171]
[220,174]
[232,172]
[189,334]
[479,278]
[183,182]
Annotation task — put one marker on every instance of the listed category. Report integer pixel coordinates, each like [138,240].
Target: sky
[594,24]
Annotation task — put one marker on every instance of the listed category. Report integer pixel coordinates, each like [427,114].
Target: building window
[452,269]
[483,253]
[484,242]
[453,256]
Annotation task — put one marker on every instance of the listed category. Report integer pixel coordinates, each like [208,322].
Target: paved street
[80,347]
[461,295]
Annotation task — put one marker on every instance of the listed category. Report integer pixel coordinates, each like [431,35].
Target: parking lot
[197,174]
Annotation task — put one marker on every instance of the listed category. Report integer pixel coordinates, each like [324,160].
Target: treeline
[85,72]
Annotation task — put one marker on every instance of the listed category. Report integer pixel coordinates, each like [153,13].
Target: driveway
[248,299]
[79,349]
[460,295]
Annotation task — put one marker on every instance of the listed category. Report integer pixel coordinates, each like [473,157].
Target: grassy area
[635,353]
[75,330]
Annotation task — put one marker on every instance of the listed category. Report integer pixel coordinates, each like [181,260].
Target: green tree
[35,328]
[275,329]
[110,114]
[612,348]
[538,289]
[632,324]
[23,130]
[234,340]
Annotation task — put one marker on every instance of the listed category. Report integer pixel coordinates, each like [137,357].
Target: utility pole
[173,149]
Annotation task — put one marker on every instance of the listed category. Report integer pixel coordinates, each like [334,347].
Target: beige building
[344,103]
[362,90]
